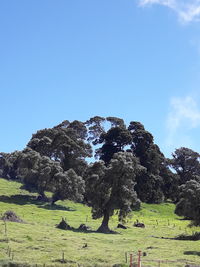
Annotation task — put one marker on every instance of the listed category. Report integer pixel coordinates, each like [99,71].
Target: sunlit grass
[38,241]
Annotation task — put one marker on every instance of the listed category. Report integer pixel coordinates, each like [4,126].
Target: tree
[52,159]
[114,140]
[135,139]
[186,163]
[40,173]
[65,143]
[9,164]
[37,172]
[95,128]
[150,182]
[189,203]
[149,187]
[112,187]
[4,166]
[170,183]
[68,185]
[144,148]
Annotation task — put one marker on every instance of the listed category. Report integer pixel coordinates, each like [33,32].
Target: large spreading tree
[130,165]
[111,187]
[153,184]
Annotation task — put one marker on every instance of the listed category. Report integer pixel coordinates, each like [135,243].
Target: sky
[71,60]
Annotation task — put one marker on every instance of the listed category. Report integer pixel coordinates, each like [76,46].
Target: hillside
[38,241]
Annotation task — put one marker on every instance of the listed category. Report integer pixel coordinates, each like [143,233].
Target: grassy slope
[40,242]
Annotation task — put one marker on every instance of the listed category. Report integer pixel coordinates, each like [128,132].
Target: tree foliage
[130,165]
[68,185]
[40,173]
[112,187]
[150,182]
[37,172]
[153,184]
[186,163]
[9,164]
[65,143]
[189,203]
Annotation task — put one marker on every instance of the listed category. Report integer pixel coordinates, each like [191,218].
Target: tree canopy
[65,143]
[129,168]
[186,163]
[189,203]
[112,187]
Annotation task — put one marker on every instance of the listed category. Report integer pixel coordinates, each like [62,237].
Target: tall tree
[186,163]
[114,140]
[170,183]
[150,182]
[112,187]
[144,148]
[95,126]
[189,203]
[149,187]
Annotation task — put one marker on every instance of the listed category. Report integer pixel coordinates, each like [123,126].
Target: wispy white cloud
[187,10]
[184,115]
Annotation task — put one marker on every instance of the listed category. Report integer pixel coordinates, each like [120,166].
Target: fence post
[5,227]
[139,258]
[131,260]
[63,257]
[126,257]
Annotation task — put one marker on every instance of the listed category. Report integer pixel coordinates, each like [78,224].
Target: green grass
[38,241]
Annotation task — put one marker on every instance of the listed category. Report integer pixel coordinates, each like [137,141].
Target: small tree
[189,203]
[9,164]
[37,172]
[112,187]
[68,185]
[42,174]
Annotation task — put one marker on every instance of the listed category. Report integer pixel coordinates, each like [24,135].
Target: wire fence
[137,259]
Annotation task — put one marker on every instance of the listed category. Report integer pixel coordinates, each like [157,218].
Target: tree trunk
[42,197]
[54,199]
[104,225]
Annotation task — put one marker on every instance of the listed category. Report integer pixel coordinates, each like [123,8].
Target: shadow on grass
[55,207]
[92,232]
[162,237]
[27,199]
[194,237]
[196,253]
[64,261]
[63,225]
[89,231]
[184,219]
[20,199]
[8,263]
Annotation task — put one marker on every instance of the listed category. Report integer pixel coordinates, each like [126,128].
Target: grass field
[39,242]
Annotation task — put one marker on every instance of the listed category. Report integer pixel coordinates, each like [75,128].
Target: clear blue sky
[74,59]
